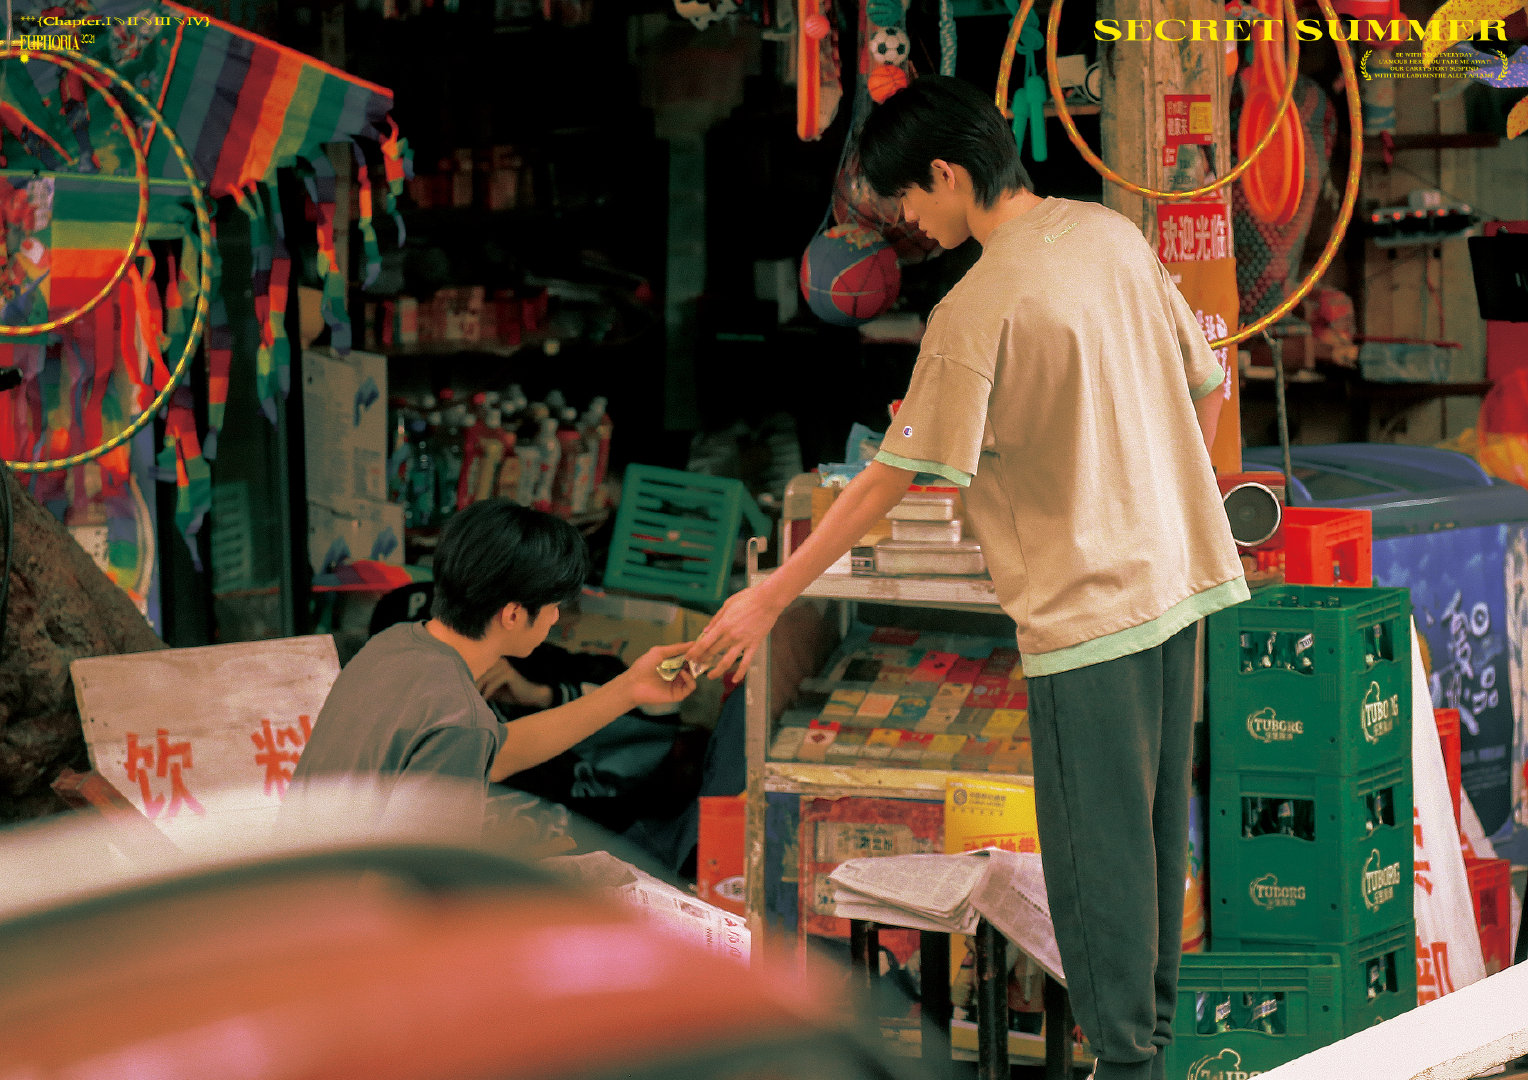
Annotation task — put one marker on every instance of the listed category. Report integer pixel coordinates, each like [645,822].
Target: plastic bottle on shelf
[597,427]
[399,450]
[486,444]
[574,465]
[420,503]
[548,458]
[450,431]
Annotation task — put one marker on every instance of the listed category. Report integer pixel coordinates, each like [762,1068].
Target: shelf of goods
[888,755]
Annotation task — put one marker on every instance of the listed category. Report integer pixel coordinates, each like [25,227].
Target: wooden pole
[1144,83]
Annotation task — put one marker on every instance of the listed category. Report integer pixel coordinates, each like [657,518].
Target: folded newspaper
[672,910]
[951,893]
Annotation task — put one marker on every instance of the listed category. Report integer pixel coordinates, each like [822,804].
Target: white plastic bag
[1448,942]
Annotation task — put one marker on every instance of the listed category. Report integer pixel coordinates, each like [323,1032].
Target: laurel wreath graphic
[1363,65]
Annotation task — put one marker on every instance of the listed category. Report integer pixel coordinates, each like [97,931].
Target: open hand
[735,633]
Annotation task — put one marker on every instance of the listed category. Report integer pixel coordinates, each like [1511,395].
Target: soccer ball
[890,46]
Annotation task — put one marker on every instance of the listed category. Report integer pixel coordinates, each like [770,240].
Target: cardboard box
[345,426]
[354,529]
[719,859]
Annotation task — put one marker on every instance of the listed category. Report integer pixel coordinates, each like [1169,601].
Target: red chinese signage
[1187,120]
[1193,231]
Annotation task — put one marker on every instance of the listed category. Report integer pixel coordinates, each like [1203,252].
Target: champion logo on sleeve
[907,431]
[1049,239]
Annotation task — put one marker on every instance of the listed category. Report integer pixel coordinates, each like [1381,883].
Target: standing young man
[1067,386]
[407,706]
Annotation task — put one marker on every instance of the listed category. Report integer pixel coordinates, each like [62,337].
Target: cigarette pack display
[899,557]
[924,506]
[926,532]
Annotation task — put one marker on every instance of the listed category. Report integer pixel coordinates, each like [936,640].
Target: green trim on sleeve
[955,476]
[1139,638]
[1210,384]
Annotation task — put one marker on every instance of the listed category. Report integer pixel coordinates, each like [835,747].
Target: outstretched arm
[541,736]
[740,627]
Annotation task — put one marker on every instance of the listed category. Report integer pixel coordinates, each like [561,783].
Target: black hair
[945,118]
[495,553]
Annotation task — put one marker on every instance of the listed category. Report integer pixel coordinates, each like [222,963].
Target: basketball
[849,275]
[885,80]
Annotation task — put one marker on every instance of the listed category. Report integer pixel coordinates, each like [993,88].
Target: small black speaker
[1254,512]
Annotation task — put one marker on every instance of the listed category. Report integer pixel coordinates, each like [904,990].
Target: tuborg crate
[676,533]
[1279,1006]
[1310,860]
[1377,974]
[1311,679]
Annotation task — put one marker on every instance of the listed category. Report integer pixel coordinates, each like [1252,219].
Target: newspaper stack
[671,910]
[950,894]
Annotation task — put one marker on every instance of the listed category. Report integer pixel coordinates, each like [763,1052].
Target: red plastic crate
[1491,890]
[1328,547]
[1447,721]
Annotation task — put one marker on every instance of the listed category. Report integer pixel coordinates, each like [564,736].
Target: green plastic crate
[1378,974]
[1305,988]
[1345,876]
[1345,715]
[675,533]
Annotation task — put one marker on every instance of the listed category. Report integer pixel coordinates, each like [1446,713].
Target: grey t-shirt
[405,706]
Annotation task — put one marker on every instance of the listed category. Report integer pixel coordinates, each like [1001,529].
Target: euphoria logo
[1266,892]
[1379,713]
[1266,727]
[1379,882]
[1226,1065]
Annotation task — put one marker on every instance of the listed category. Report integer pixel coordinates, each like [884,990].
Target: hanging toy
[890,46]
[885,80]
[885,12]
[1028,105]
[849,275]
[818,87]
[702,13]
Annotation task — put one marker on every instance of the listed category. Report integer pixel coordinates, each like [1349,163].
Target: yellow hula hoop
[1291,64]
[74,62]
[1355,152]
[204,283]
[1349,194]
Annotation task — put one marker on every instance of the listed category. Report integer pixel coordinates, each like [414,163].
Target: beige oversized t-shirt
[1056,380]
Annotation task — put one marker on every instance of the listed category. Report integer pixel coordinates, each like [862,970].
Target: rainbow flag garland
[244,108]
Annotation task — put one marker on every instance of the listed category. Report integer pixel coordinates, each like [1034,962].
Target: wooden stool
[991,1001]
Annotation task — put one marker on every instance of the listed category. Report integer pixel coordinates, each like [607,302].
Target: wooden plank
[1454,1037]
[197,737]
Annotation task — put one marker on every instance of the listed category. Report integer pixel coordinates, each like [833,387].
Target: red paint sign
[1194,231]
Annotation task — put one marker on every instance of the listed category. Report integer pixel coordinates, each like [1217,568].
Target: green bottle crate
[1314,860]
[1280,1004]
[1337,706]
[1378,973]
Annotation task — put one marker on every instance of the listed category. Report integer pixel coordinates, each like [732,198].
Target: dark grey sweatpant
[1112,746]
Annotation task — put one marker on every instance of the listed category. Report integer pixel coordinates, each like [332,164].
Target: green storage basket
[1336,707]
[1281,1006]
[676,533]
[1340,871]
[1377,975]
